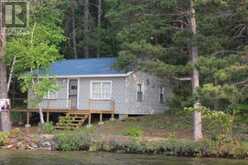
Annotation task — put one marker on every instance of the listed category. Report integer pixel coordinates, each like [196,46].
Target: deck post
[89,121]
[113,111]
[101,122]
[47,117]
[112,117]
[28,120]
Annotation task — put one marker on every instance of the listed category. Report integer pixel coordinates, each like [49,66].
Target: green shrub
[47,127]
[3,138]
[73,141]
[133,132]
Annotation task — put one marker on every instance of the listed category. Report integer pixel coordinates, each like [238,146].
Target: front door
[73,93]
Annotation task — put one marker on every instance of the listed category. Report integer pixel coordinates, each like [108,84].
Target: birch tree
[35,51]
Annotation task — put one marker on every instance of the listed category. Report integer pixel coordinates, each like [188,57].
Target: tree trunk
[5,123]
[11,73]
[86,28]
[195,77]
[42,121]
[99,24]
[74,35]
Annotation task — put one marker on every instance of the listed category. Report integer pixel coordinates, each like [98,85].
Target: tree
[99,24]
[160,37]
[38,88]
[195,78]
[35,51]
[5,116]
[74,37]
[86,28]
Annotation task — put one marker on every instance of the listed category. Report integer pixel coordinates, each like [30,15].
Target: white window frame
[99,81]
[142,90]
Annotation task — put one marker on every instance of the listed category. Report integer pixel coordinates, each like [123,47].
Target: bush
[133,132]
[47,127]
[73,141]
[14,133]
[3,138]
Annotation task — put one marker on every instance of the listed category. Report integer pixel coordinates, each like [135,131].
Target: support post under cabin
[101,122]
[28,120]
[113,111]
[48,117]
[89,121]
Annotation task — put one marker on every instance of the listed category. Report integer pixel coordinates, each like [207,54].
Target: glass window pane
[101,90]
[96,90]
[106,90]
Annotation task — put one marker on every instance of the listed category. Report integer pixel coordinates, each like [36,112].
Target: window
[101,90]
[73,87]
[139,93]
[51,95]
[161,95]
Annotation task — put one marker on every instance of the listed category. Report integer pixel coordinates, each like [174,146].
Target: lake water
[85,158]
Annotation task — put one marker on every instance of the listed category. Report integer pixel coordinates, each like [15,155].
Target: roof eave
[91,76]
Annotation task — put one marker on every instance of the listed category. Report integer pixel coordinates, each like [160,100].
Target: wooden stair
[71,121]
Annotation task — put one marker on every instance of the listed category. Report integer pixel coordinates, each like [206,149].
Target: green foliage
[133,132]
[73,141]
[216,124]
[65,120]
[155,37]
[36,50]
[219,97]
[47,127]
[3,138]
[38,86]
[170,147]
[16,117]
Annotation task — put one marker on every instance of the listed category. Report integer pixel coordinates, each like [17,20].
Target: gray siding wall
[124,93]
[151,96]
[118,90]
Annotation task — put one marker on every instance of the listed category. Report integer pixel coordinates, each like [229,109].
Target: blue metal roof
[90,66]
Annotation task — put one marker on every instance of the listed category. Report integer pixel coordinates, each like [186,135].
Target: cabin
[94,86]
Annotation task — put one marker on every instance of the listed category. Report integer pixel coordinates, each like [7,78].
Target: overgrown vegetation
[133,132]
[73,141]
[47,127]
[169,147]
[3,138]
[174,131]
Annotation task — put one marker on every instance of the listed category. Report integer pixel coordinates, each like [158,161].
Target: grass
[152,126]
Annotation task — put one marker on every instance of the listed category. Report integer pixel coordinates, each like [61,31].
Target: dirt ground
[161,126]
[155,126]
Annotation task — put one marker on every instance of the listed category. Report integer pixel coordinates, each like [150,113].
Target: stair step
[71,120]
[77,115]
[69,125]
[65,128]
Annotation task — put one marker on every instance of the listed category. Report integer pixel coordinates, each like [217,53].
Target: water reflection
[84,158]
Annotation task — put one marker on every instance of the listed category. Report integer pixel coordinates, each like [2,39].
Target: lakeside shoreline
[129,145]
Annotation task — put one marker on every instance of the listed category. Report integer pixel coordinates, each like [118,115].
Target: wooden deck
[64,111]
[87,112]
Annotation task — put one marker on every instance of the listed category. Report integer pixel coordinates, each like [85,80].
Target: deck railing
[56,103]
[101,105]
[101,109]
